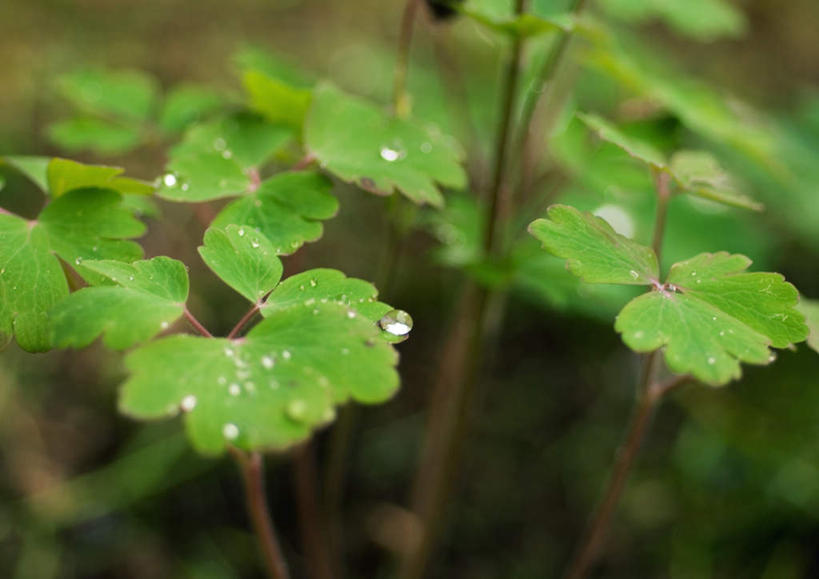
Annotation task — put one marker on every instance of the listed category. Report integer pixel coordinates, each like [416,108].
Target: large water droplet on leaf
[396,323]
[391,154]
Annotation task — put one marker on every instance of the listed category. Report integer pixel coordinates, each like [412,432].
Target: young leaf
[147,298]
[268,390]
[214,158]
[186,104]
[81,224]
[810,309]
[276,100]
[32,167]
[595,252]
[287,209]
[361,144]
[243,258]
[699,174]
[711,315]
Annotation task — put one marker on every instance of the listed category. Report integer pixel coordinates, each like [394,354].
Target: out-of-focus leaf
[699,174]
[186,104]
[279,102]
[64,175]
[88,133]
[810,309]
[361,144]
[703,20]
[122,94]
[32,167]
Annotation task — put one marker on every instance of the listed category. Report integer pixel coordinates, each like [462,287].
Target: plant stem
[497,198]
[662,183]
[243,322]
[400,98]
[252,469]
[310,519]
[197,325]
[648,396]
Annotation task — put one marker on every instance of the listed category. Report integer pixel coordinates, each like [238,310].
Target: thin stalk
[662,184]
[497,198]
[312,528]
[400,98]
[648,397]
[252,469]
[197,325]
[245,319]
[463,355]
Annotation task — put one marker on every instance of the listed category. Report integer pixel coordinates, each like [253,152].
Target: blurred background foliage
[728,485]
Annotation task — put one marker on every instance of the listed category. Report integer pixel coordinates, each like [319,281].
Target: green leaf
[147,298]
[32,167]
[31,283]
[711,315]
[699,174]
[268,390]
[704,20]
[64,175]
[636,148]
[101,136]
[123,94]
[524,26]
[214,158]
[243,258]
[321,286]
[810,309]
[79,225]
[186,104]
[361,144]
[595,252]
[286,209]
[278,101]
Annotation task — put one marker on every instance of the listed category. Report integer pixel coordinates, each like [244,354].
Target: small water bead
[426,147]
[634,274]
[164,325]
[390,155]
[345,351]
[254,244]
[250,387]
[313,283]
[221,380]
[396,322]
[169,180]
[351,314]
[273,385]
[286,354]
[230,431]
[241,232]
[229,353]
[219,144]
[234,389]
[297,409]
[310,302]
[267,362]
[328,415]
[772,357]
[712,360]
[227,154]
[78,261]
[188,403]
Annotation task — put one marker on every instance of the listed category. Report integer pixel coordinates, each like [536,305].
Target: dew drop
[634,274]
[164,325]
[426,147]
[313,283]
[772,357]
[219,144]
[250,387]
[78,261]
[254,244]
[229,353]
[130,278]
[722,332]
[345,351]
[391,155]
[169,180]
[286,354]
[714,318]
[188,403]
[328,415]
[351,314]
[230,431]
[693,273]
[185,187]
[297,409]
[241,232]
[227,154]
[712,361]
[267,362]
[396,322]
[221,380]
[234,389]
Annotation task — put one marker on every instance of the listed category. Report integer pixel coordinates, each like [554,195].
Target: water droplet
[639,334]
[396,322]
[229,353]
[241,232]
[297,409]
[273,385]
[219,144]
[693,273]
[286,354]
[130,278]
[391,155]
[164,325]
[772,357]
[267,362]
[78,261]
[426,147]
[722,332]
[94,249]
[634,274]
[169,180]
[250,387]
[230,431]
[188,403]
[699,281]
[712,360]
[310,302]
[221,380]
[351,314]
[254,244]
[713,318]
[313,283]
[234,389]
[227,154]
[328,415]
[185,187]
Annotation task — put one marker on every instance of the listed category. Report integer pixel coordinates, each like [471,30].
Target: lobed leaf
[699,174]
[268,390]
[361,144]
[594,251]
[287,209]
[243,258]
[88,133]
[636,148]
[147,297]
[125,94]
[64,175]
[810,309]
